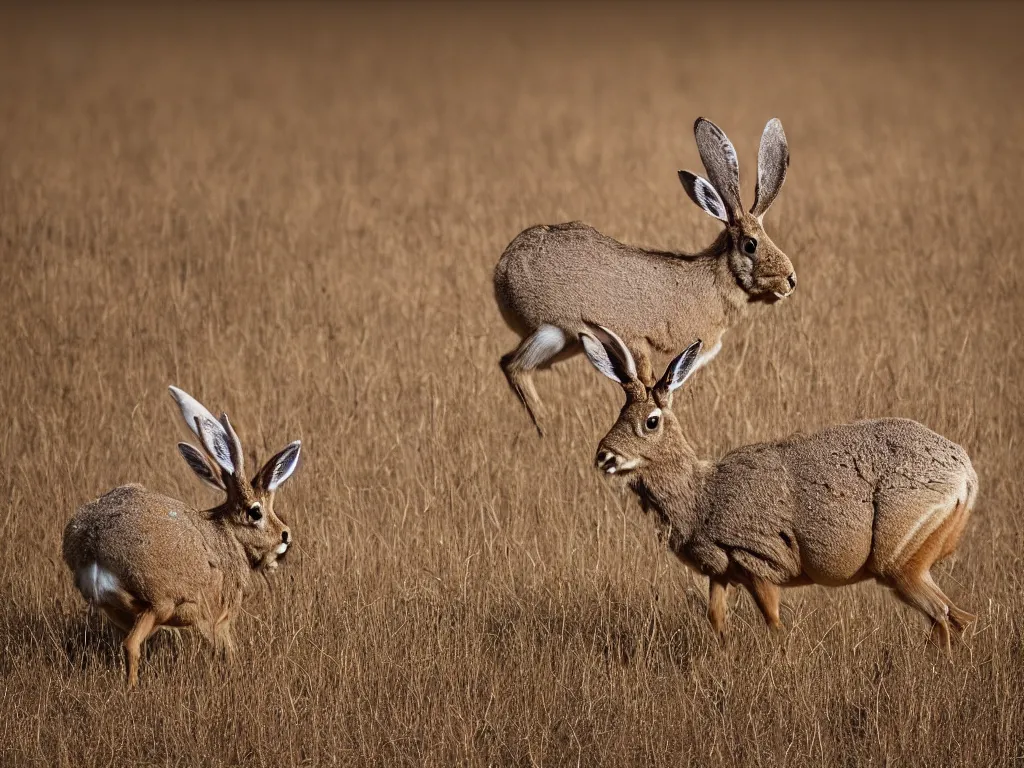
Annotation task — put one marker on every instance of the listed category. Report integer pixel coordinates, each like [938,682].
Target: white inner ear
[198,464]
[599,357]
[684,368]
[285,467]
[682,372]
[709,199]
[215,440]
[624,353]
[191,409]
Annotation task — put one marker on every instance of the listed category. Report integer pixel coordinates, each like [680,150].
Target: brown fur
[554,280]
[882,499]
[149,561]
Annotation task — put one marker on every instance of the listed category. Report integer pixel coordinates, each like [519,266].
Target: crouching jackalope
[881,499]
[147,561]
[552,281]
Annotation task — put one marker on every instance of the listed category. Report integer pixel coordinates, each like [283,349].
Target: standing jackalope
[552,281]
[881,499]
[148,561]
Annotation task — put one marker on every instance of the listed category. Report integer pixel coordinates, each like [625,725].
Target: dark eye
[652,422]
[254,513]
[750,246]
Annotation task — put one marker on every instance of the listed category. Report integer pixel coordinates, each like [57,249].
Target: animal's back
[134,541]
[838,497]
[564,274]
[872,486]
[876,456]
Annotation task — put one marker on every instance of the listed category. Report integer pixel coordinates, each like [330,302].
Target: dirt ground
[293,212]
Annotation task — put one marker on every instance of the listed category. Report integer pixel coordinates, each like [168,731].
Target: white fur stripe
[929,522]
[708,199]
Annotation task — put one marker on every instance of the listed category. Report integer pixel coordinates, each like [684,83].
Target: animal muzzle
[282,549]
[783,287]
[276,555]
[612,463]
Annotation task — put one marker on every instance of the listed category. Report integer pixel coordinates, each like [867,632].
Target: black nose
[792,280]
[284,537]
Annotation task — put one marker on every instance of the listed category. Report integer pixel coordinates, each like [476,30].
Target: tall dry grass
[293,213]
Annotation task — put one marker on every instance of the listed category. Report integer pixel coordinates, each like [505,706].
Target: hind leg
[145,624]
[907,566]
[534,351]
[917,593]
[914,585]
[951,533]
[950,537]
[944,541]
[958,618]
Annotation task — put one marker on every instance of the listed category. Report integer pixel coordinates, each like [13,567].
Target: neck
[735,300]
[218,513]
[713,271]
[713,252]
[235,554]
[669,490]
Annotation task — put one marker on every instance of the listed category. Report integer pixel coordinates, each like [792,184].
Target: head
[760,268]
[646,431]
[249,508]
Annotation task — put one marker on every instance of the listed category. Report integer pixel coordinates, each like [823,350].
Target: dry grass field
[293,212]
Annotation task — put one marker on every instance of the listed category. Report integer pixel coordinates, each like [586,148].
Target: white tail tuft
[96,582]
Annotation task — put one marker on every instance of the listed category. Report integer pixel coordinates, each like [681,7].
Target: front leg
[767,595]
[717,589]
[207,613]
[223,642]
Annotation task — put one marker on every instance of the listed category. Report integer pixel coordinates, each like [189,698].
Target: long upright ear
[772,162]
[609,354]
[681,368]
[234,446]
[279,468]
[720,161]
[191,409]
[198,464]
[215,442]
[703,194]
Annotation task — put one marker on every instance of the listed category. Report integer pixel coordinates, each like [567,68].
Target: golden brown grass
[294,214]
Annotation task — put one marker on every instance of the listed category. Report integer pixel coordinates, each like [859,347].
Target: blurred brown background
[293,213]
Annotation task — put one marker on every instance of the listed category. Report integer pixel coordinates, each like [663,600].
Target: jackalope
[148,561]
[882,499]
[552,281]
